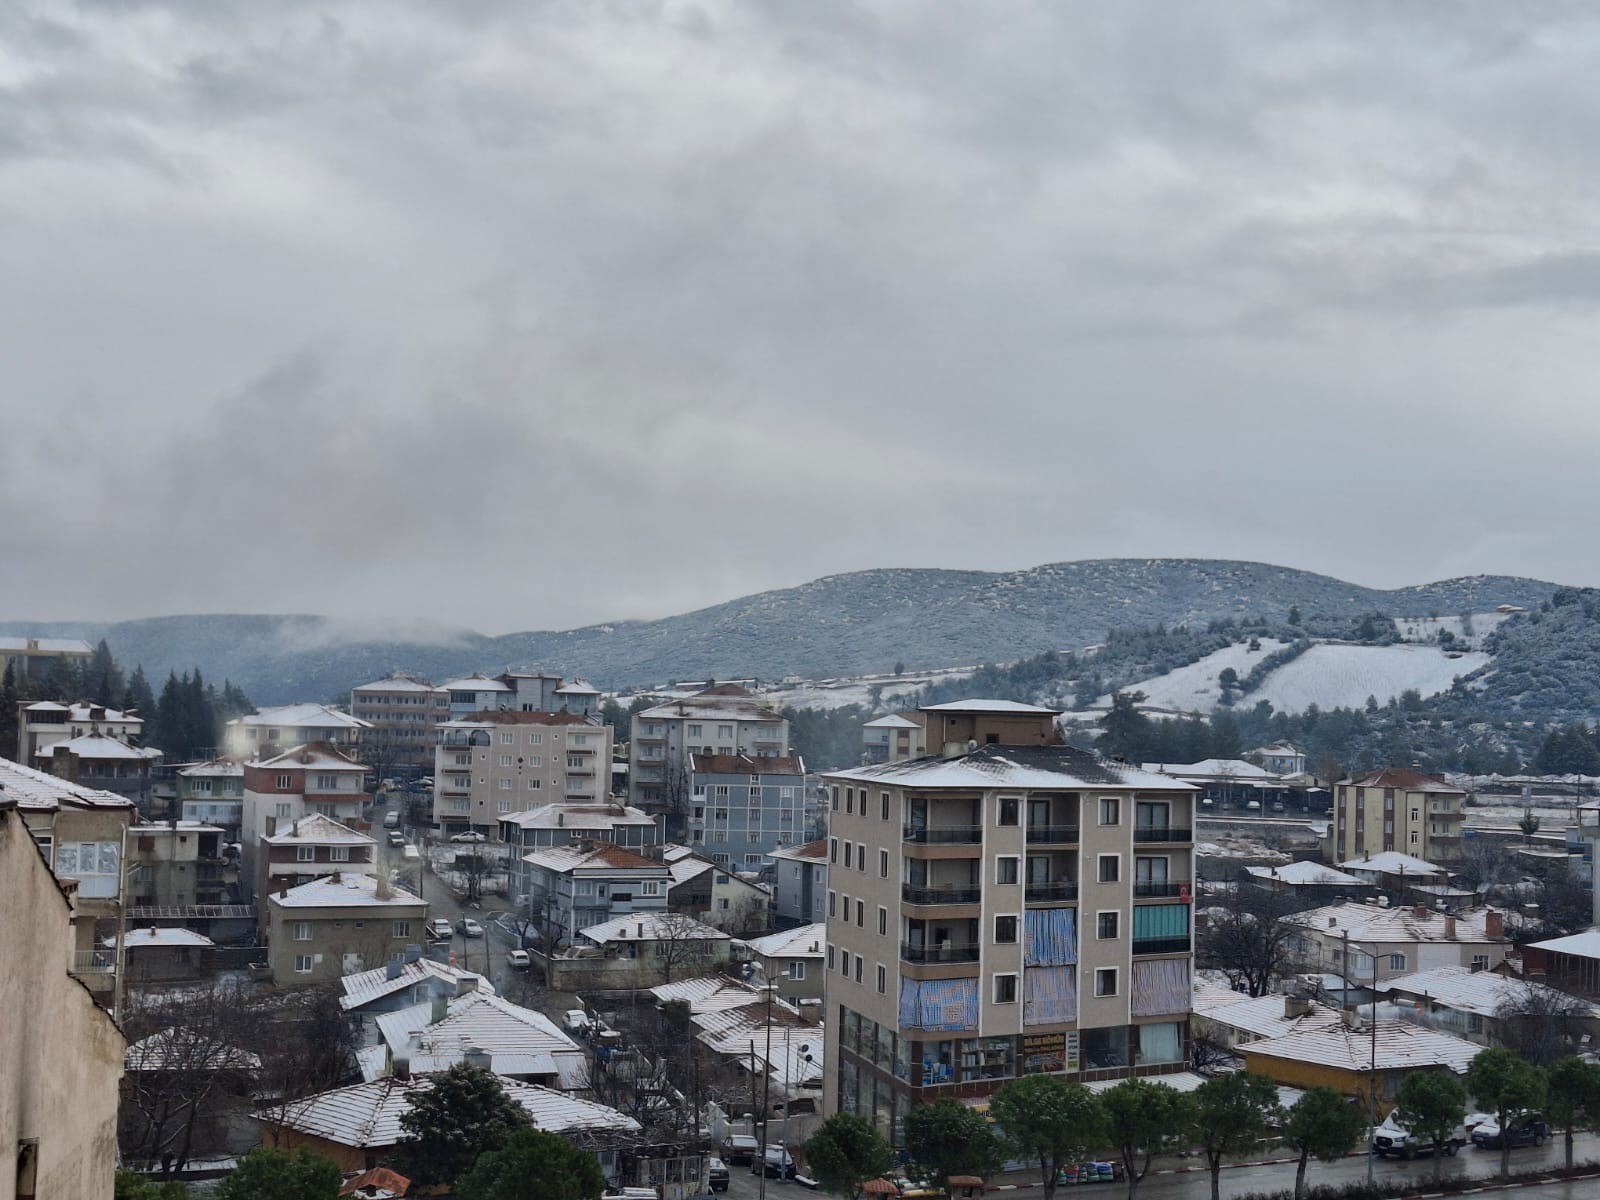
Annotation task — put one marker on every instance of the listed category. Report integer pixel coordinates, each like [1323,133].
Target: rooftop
[1580,945]
[366,986]
[506,716]
[892,721]
[519,1041]
[997,707]
[98,746]
[1404,778]
[1305,873]
[578,687]
[1392,862]
[313,754]
[651,927]
[399,683]
[1400,923]
[81,711]
[578,816]
[186,1050]
[1481,992]
[1262,1017]
[1214,768]
[304,716]
[342,891]
[10,644]
[1392,1045]
[743,764]
[813,852]
[477,682]
[581,856]
[1013,766]
[709,993]
[726,701]
[36,790]
[324,831]
[168,939]
[805,941]
[214,768]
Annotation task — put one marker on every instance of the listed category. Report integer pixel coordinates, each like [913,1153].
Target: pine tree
[138,695]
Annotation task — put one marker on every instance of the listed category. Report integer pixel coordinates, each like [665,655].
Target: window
[833,850]
[285,782]
[535,784]
[1105,981]
[1110,810]
[327,783]
[1416,838]
[883,921]
[721,792]
[1480,962]
[830,958]
[1009,808]
[883,804]
[833,904]
[302,931]
[861,857]
[696,731]
[883,864]
[1005,931]
[505,806]
[339,853]
[1105,925]
[1110,868]
[302,964]
[858,968]
[844,963]
[281,811]
[1005,869]
[305,854]
[724,731]
[508,739]
[506,784]
[883,980]
[848,848]
[861,914]
[1397,962]
[1005,989]
[400,929]
[535,760]
[797,969]
[580,739]
[720,814]
[835,797]
[536,739]
[505,760]
[849,800]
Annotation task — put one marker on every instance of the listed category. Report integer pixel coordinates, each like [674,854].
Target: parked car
[575,1020]
[467,927]
[469,836]
[439,927]
[717,1175]
[396,838]
[778,1164]
[1395,1137]
[740,1148]
[1528,1129]
[518,960]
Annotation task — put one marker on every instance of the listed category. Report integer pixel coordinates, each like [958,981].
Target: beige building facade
[1005,911]
[324,930]
[401,712]
[497,763]
[1397,809]
[722,720]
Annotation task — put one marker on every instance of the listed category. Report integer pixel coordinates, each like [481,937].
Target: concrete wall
[60,1055]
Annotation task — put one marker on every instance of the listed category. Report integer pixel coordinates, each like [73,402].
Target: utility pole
[119,964]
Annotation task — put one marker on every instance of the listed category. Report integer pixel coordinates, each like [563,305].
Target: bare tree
[1541,1024]
[680,943]
[1251,938]
[307,1044]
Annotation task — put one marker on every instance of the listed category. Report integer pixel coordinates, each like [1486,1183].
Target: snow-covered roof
[1392,1045]
[1013,767]
[1396,924]
[685,867]
[722,703]
[805,941]
[579,816]
[1302,873]
[101,747]
[1481,992]
[1581,945]
[169,939]
[85,712]
[157,828]
[811,852]
[475,683]
[345,891]
[367,1115]
[652,927]
[304,716]
[10,644]
[399,683]
[1002,707]
[1213,768]
[1262,1017]
[1392,862]
[892,721]
[578,687]
[319,829]
[1403,778]
[188,1050]
[224,768]
[317,754]
[519,1041]
[786,1047]
[366,986]
[39,791]
[604,857]
[744,764]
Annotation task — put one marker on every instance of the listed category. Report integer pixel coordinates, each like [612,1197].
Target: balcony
[1052,835]
[1163,833]
[953,835]
[1043,893]
[1166,945]
[950,893]
[944,952]
[1162,889]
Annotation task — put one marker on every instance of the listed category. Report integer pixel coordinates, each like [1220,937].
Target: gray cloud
[521,316]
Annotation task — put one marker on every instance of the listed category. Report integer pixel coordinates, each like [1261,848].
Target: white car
[518,960]
[470,836]
[575,1020]
[439,928]
[467,927]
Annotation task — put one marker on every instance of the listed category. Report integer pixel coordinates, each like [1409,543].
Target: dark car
[1529,1129]
[717,1175]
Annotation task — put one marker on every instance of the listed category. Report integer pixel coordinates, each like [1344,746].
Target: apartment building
[570,888]
[742,808]
[1003,911]
[340,925]
[800,884]
[103,762]
[496,763]
[298,851]
[400,713]
[892,738]
[284,787]
[180,863]
[35,657]
[722,720]
[1369,944]
[563,824]
[42,723]
[292,725]
[1397,809]
[212,792]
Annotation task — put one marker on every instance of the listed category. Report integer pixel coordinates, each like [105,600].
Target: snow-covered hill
[1344,676]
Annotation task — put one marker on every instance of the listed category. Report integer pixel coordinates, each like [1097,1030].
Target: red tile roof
[743,764]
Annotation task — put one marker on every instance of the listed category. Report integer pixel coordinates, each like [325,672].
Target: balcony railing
[1167,945]
[946,952]
[1160,889]
[1048,835]
[1163,833]
[958,893]
[1051,891]
[93,962]
[952,835]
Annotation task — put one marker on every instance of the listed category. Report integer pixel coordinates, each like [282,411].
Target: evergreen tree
[10,698]
[103,683]
[138,695]
[462,1115]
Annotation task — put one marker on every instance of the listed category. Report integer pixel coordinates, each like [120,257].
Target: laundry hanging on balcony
[939,1004]
[1052,937]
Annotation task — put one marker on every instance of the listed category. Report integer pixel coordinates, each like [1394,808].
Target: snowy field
[1426,629]
[1195,686]
[836,693]
[1333,676]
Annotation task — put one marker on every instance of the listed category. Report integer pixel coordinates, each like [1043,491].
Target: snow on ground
[1195,686]
[1426,629]
[1331,675]
[836,693]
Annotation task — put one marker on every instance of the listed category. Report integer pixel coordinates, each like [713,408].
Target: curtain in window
[1161,921]
[1160,1043]
[1049,995]
[1052,937]
[939,1004]
[1160,985]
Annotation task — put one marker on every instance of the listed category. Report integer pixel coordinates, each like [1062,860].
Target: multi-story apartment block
[477,693]
[34,657]
[212,792]
[180,863]
[496,763]
[571,888]
[298,851]
[800,884]
[339,925]
[1397,809]
[892,738]
[82,833]
[284,787]
[42,723]
[1002,911]
[722,720]
[400,713]
[292,725]
[103,762]
[563,824]
[742,808]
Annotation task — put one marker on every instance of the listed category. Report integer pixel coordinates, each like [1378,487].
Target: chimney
[272,826]
[477,1056]
[392,971]
[1449,929]
[1295,1006]
[413,953]
[1494,924]
[441,1008]
[283,889]
[466,982]
[640,927]
[1420,910]
[1333,922]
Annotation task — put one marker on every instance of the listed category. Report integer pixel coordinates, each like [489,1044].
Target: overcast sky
[524,315]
